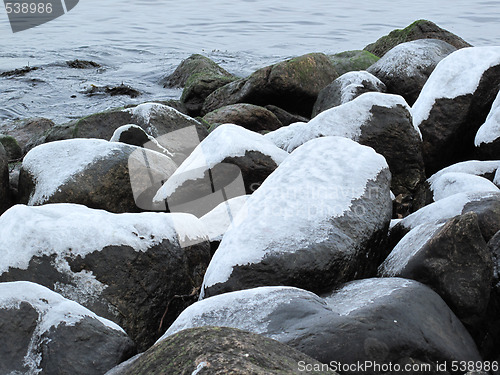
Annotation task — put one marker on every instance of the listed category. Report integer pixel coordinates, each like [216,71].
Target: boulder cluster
[324,212]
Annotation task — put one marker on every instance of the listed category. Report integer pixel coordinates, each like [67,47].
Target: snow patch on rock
[490,130]
[448,184]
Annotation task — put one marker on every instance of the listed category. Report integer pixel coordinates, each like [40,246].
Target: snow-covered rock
[454,103]
[346,88]
[405,68]
[381,121]
[124,267]
[448,184]
[43,332]
[315,222]
[452,259]
[221,217]
[136,136]
[381,319]
[93,172]
[232,161]
[488,136]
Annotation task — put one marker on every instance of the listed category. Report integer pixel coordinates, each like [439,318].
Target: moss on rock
[349,61]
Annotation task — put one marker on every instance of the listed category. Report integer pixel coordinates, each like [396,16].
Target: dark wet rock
[112,91]
[249,116]
[28,132]
[346,88]
[286,118]
[383,320]
[454,103]
[49,334]
[405,68]
[377,120]
[452,259]
[138,270]
[195,64]
[11,147]
[19,72]
[82,64]
[230,162]
[287,237]
[421,29]
[222,350]
[349,61]
[292,85]
[5,198]
[107,175]
[488,213]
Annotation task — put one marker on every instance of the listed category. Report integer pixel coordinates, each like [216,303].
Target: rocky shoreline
[324,210]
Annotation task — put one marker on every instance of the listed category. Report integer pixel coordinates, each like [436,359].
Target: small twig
[194,293]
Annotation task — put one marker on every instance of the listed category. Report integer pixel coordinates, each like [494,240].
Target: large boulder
[380,121]
[317,221]
[99,174]
[45,333]
[349,61]
[159,121]
[421,29]
[406,67]
[230,162]
[454,103]
[129,268]
[346,88]
[379,320]
[453,259]
[5,199]
[487,140]
[292,85]
[199,76]
[249,116]
[194,64]
[222,350]
[28,132]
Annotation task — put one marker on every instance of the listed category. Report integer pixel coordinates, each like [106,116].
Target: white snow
[227,140]
[221,217]
[490,130]
[457,74]
[443,210]
[247,310]
[448,184]
[362,293]
[406,59]
[72,230]
[407,248]
[52,164]
[294,206]
[53,310]
[144,112]
[351,81]
[122,129]
[474,167]
[345,120]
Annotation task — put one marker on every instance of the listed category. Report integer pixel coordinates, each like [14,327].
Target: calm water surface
[139,41]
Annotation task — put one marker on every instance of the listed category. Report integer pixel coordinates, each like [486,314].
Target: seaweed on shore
[19,72]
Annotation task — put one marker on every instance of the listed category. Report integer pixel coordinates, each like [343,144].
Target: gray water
[139,41]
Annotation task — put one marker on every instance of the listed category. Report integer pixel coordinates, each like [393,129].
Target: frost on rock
[448,80]
[351,81]
[490,130]
[345,121]
[407,248]
[69,230]
[296,206]
[444,209]
[363,293]
[52,172]
[248,310]
[448,184]
[225,141]
[221,217]
[52,309]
